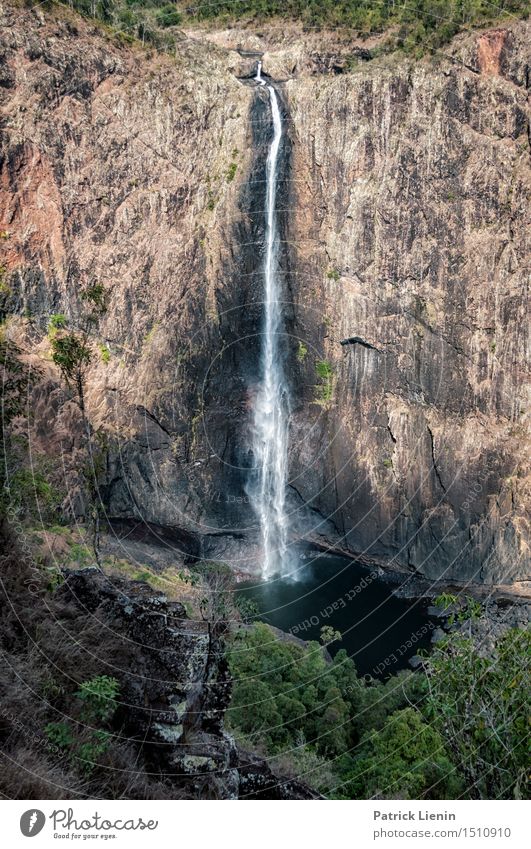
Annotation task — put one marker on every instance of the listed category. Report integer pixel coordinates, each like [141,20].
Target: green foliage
[406,759]
[323,369]
[5,288]
[333,274]
[427,24]
[58,321]
[105,353]
[168,16]
[324,390]
[472,610]
[463,608]
[32,494]
[459,730]
[95,295]
[60,734]
[247,608]
[231,173]
[81,555]
[89,753]
[283,690]
[55,578]
[481,706]
[413,28]
[70,353]
[301,352]
[445,600]
[98,696]
[329,635]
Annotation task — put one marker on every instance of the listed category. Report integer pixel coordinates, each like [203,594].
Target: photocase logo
[31,822]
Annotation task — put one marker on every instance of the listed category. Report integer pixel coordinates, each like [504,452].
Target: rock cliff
[404,229]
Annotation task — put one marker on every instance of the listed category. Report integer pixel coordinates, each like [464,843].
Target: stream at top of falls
[268,481]
[380,631]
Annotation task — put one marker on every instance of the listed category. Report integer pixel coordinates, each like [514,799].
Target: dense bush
[458,728]
[407,759]
[285,693]
[482,706]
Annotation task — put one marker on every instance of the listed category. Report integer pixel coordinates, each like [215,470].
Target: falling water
[271,410]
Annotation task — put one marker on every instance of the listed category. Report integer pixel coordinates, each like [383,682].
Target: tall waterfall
[271,409]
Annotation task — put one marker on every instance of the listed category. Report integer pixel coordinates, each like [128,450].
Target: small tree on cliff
[72,349]
[72,353]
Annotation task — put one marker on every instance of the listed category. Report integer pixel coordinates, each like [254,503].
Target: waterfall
[271,409]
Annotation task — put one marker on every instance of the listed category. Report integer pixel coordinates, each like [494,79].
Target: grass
[325,389]
[302,352]
[231,173]
[176,584]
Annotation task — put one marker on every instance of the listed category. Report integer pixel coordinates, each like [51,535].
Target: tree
[481,706]
[329,635]
[407,759]
[72,351]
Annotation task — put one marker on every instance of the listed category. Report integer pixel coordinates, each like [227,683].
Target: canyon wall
[411,238]
[404,232]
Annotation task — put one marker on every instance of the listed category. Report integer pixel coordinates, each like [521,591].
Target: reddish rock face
[405,195]
[490,47]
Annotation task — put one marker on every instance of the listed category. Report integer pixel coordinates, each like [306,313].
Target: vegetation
[407,759]
[231,172]
[414,28]
[302,351]
[456,728]
[98,696]
[72,352]
[324,389]
[481,706]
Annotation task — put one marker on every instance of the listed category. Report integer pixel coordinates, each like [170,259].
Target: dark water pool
[379,630]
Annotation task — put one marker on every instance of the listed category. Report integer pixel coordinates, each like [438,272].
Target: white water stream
[271,409]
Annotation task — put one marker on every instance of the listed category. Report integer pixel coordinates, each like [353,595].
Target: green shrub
[90,752]
[323,369]
[58,321]
[407,759]
[302,352]
[168,16]
[324,390]
[60,734]
[31,494]
[98,696]
[231,173]
[481,706]
[105,353]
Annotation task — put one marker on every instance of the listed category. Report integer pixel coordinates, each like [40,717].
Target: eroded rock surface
[404,226]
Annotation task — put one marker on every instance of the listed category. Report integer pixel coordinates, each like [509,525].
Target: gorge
[406,231]
[263,302]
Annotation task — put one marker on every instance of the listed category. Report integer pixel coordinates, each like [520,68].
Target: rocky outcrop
[174,690]
[404,225]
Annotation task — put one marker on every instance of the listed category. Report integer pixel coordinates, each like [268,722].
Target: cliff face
[404,230]
[411,231]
